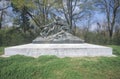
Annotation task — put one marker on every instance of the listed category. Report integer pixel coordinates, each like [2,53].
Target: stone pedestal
[59,50]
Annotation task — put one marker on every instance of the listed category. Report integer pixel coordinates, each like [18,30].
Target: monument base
[59,50]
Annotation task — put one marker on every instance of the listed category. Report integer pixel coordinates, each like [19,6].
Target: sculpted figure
[57,32]
[54,27]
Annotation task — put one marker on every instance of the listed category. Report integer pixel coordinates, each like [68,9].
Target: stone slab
[59,50]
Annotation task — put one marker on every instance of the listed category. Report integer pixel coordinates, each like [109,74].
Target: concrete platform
[60,50]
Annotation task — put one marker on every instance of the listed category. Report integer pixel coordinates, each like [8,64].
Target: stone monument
[56,39]
[57,32]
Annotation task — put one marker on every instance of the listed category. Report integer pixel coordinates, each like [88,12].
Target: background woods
[95,21]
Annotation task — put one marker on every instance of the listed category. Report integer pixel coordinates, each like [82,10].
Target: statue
[57,32]
[54,27]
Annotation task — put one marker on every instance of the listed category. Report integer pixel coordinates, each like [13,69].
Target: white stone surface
[60,50]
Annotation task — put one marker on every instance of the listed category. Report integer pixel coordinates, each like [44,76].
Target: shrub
[10,37]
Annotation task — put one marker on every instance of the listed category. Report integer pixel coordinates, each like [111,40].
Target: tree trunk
[71,15]
[1,18]
[69,6]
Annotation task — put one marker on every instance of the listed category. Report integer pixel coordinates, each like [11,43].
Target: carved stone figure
[57,32]
[54,27]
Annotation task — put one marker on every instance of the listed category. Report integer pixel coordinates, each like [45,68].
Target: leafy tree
[22,7]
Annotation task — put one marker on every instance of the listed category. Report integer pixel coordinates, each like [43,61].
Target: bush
[10,37]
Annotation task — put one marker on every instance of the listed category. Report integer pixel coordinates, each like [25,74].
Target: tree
[22,7]
[38,11]
[24,20]
[43,11]
[67,8]
[74,10]
[110,8]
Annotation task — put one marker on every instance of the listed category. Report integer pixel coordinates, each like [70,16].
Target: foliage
[116,39]
[100,37]
[22,19]
[21,3]
[116,49]
[10,37]
[1,50]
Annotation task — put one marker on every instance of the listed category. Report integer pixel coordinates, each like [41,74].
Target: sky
[98,17]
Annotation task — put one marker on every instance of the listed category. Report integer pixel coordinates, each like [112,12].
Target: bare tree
[74,10]
[42,13]
[110,8]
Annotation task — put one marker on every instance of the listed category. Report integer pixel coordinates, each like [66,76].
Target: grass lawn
[51,67]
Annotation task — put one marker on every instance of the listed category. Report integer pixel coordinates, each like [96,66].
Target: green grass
[51,67]
[2,50]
